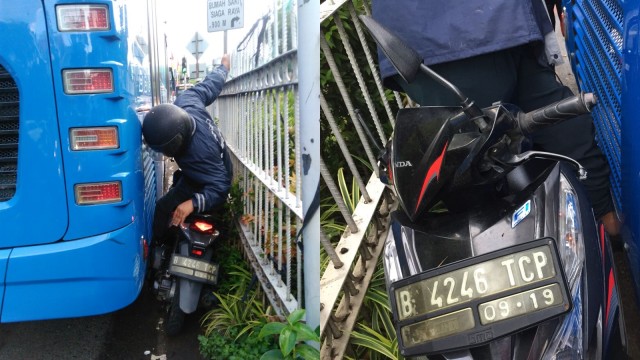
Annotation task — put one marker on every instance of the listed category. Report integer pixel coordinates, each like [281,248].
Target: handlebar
[562,110]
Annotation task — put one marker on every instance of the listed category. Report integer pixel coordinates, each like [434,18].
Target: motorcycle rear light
[98,193]
[87,81]
[82,17]
[202,227]
[197,252]
[95,138]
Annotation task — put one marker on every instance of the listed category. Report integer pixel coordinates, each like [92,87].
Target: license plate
[194,269]
[478,299]
[475,282]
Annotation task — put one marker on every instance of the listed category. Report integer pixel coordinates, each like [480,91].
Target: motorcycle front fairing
[441,150]
[441,238]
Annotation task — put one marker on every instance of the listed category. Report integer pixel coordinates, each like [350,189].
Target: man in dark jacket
[496,50]
[185,131]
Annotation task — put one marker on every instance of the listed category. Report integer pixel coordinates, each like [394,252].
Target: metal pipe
[309,94]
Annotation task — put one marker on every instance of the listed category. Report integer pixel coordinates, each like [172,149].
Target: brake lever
[528,155]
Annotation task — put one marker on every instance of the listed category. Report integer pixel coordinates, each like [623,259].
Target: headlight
[392,269]
[567,341]
[570,237]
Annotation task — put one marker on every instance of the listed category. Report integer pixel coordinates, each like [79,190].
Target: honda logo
[401,164]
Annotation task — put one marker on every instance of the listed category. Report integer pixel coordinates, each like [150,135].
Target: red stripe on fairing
[434,171]
[609,295]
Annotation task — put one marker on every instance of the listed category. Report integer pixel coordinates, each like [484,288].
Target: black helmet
[167,128]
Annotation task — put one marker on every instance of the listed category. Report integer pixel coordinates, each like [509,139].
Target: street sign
[224,15]
[197,45]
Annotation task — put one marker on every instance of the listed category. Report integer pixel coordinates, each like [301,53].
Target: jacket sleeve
[212,195]
[205,92]
[214,179]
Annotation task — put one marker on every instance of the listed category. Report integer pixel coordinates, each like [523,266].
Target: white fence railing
[259,113]
[353,257]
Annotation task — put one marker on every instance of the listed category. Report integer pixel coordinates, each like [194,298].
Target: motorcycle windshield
[421,138]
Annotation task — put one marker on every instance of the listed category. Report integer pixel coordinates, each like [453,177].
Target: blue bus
[77,186]
[604,49]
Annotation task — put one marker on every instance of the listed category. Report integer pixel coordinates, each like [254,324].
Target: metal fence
[353,255]
[259,113]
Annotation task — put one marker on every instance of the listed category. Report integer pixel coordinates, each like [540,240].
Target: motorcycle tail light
[202,227]
[82,17]
[197,252]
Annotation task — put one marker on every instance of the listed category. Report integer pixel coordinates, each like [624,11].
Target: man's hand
[181,212]
[226,61]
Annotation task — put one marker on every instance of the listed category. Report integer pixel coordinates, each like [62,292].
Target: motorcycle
[185,274]
[495,252]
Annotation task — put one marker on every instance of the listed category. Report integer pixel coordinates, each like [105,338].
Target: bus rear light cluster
[87,81]
[94,138]
[98,193]
[82,17]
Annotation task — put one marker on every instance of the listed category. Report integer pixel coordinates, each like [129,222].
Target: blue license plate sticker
[520,214]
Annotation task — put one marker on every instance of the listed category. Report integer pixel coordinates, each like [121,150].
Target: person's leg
[485,79]
[537,87]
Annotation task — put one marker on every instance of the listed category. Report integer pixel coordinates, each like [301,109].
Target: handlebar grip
[562,110]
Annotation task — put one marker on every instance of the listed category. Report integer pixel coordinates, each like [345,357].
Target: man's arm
[206,91]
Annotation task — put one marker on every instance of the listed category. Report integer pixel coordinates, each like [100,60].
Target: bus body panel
[37,212]
[123,50]
[74,278]
[59,258]
[630,128]
[4,256]
[604,46]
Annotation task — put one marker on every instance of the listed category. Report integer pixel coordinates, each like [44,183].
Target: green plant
[233,209]
[374,334]
[232,347]
[239,311]
[291,338]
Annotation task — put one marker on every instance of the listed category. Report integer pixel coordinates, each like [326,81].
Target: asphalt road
[134,332]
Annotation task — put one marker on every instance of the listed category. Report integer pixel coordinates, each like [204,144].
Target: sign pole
[225,42]
[197,58]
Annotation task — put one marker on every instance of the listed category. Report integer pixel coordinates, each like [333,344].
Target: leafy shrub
[219,346]
[291,338]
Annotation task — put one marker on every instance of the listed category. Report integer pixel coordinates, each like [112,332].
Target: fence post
[309,95]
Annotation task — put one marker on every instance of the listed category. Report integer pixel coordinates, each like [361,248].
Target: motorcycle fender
[189,295]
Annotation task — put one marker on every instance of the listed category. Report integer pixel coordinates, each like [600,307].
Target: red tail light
[197,252]
[82,17]
[87,81]
[98,193]
[96,138]
[202,227]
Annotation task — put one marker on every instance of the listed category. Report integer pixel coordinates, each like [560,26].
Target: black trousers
[516,76]
[180,192]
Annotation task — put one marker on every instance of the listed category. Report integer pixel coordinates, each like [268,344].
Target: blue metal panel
[630,131]
[90,276]
[605,53]
[595,45]
[116,49]
[150,195]
[37,213]
[4,256]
